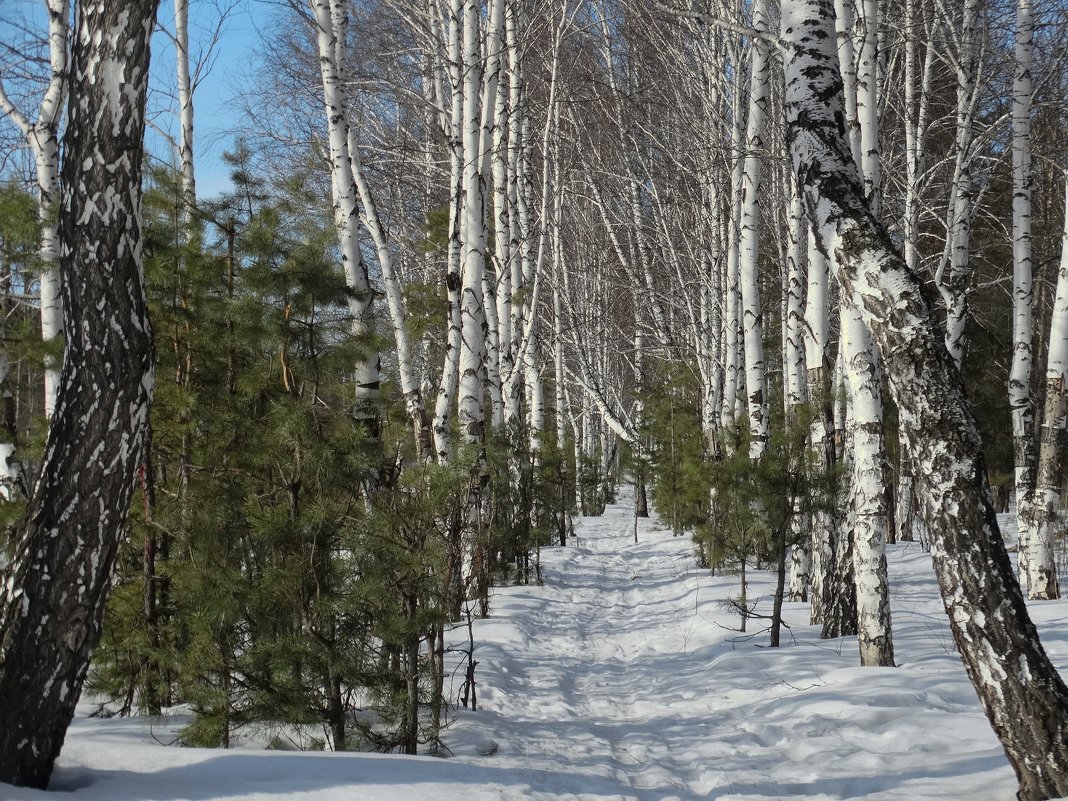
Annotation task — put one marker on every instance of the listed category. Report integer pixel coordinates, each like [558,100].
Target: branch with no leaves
[717,22]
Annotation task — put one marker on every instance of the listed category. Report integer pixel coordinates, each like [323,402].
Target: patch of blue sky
[223,42]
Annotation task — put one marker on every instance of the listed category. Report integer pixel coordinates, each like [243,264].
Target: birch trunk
[185,110]
[450,374]
[53,593]
[821,435]
[916,115]
[1021,691]
[955,270]
[797,394]
[409,379]
[331,22]
[1044,514]
[748,247]
[473,236]
[1023,415]
[867,493]
[42,136]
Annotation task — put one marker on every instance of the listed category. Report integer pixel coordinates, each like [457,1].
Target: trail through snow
[624,678]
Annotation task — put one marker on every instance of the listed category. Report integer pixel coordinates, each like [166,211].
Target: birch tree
[954,270]
[53,593]
[1043,514]
[331,21]
[185,108]
[1023,696]
[752,315]
[42,137]
[1035,552]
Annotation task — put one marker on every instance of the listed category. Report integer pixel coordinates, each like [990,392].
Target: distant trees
[482,258]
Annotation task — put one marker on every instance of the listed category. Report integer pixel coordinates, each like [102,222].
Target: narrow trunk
[752,315]
[1043,516]
[867,495]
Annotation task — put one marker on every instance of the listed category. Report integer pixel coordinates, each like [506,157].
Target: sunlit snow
[623,677]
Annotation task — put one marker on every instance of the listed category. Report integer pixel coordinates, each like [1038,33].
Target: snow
[623,677]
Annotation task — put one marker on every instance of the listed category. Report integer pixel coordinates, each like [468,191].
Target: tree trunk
[42,136]
[1042,516]
[867,494]
[1021,691]
[821,436]
[331,21]
[185,110]
[53,595]
[752,315]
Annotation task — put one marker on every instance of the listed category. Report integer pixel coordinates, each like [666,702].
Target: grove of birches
[794,270]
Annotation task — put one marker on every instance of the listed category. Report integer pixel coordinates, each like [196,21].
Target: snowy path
[592,682]
[623,679]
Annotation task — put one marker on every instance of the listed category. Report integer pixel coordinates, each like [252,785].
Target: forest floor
[624,677]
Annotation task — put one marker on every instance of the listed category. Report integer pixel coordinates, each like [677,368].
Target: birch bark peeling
[1021,692]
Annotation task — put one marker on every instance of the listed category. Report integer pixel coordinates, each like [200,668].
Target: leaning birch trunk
[1044,513]
[1023,696]
[42,136]
[53,593]
[748,246]
[398,316]
[331,23]
[1023,414]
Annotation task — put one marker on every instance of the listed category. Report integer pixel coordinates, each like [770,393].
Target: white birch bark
[917,80]
[517,133]
[1042,583]
[473,236]
[748,247]
[42,136]
[796,376]
[1020,404]
[398,316]
[185,110]
[868,102]
[954,270]
[1015,680]
[53,593]
[733,361]
[450,371]
[821,436]
[867,492]
[331,22]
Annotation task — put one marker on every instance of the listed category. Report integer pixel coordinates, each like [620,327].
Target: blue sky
[218,117]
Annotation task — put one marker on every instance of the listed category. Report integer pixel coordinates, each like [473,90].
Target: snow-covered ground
[624,678]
